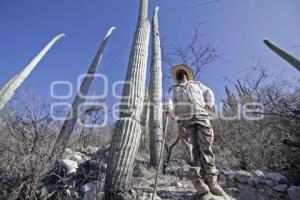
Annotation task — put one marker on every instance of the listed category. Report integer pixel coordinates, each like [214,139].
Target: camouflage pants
[197,136]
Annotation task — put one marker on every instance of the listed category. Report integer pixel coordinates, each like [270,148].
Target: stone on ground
[294,192]
[281,188]
[277,177]
[242,176]
[70,165]
[207,196]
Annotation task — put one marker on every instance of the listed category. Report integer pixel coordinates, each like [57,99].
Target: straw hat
[187,69]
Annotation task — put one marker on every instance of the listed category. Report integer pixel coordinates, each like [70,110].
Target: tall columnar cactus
[244,93]
[155,94]
[127,132]
[231,103]
[145,119]
[10,88]
[70,122]
[244,97]
[283,54]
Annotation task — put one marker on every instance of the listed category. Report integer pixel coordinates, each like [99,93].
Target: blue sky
[236,28]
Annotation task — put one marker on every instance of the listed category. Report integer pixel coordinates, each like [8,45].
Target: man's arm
[208,95]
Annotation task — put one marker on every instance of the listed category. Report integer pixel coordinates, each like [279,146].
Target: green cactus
[156,112]
[127,133]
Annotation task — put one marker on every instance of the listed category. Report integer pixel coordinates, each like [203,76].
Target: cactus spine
[155,94]
[127,132]
[70,122]
[283,54]
[10,88]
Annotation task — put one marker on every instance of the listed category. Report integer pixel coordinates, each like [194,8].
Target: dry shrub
[27,132]
[268,143]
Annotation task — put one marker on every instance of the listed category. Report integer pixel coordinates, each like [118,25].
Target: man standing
[191,102]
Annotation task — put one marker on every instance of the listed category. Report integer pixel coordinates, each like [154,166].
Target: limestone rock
[91,150]
[177,184]
[242,176]
[259,173]
[281,188]
[207,196]
[44,191]
[294,192]
[228,173]
[75,156]
[70,165]
[277,177]
[88,180]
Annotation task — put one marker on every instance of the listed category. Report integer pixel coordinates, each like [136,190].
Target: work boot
[198,182]
[215,188]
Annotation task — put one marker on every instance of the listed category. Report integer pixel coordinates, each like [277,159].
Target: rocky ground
[81,175]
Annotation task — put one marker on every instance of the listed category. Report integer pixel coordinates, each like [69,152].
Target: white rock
[294,192]
[259,173]
[92,149]
[227,172]
[281,188]
[177,184]
[70,165]
[68,150]
[208,196]
[44,191]
[68,192]
[242,176]
[76,158]
[277,177]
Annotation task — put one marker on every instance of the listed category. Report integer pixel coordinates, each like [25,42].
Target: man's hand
[209,109]
[168,109]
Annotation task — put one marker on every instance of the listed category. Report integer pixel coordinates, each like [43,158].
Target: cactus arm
[16,82]
[283,54]
[7,84]
[70,122]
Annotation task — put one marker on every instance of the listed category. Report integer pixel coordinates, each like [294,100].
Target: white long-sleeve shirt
[190,98]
